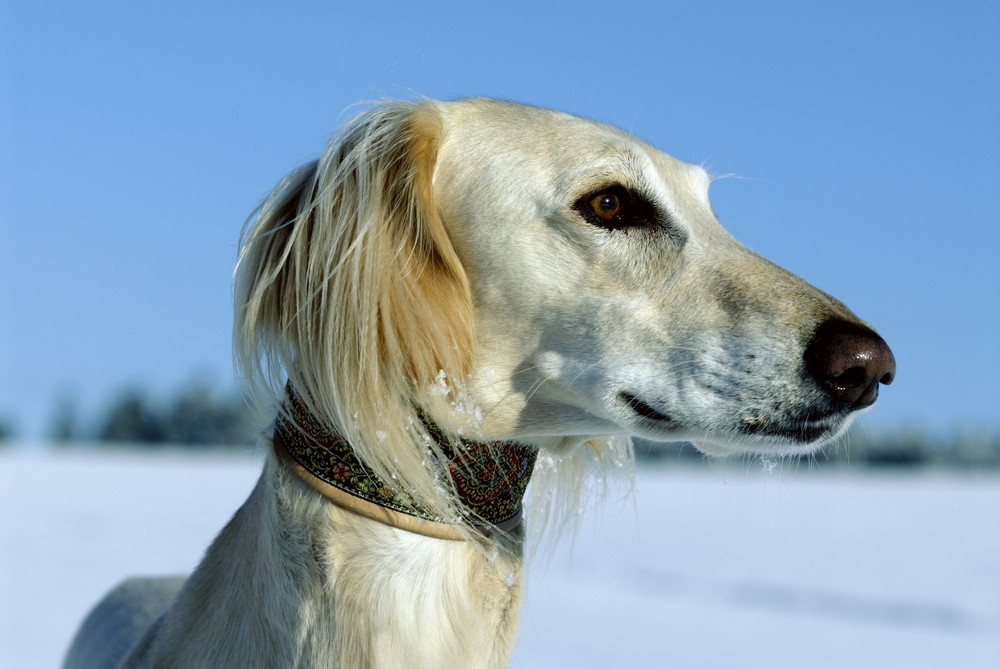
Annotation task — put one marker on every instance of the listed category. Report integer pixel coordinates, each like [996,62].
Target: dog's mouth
[804,432]
[810,428]
[767,429]
[783,437]
[642,409]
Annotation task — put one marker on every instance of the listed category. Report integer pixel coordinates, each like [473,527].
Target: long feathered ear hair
[347,285]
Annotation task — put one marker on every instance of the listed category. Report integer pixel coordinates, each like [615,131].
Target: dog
[457,295]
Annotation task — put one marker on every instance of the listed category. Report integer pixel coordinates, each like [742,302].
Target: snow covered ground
[707,566]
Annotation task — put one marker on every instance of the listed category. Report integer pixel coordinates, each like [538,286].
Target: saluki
[454,296]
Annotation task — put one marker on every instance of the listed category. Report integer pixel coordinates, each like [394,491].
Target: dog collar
[489,478]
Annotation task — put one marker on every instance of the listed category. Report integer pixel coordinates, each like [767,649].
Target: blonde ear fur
[348,286]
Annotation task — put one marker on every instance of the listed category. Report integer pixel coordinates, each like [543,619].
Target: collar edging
[489,478]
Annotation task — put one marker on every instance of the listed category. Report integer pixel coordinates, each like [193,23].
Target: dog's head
[519,273]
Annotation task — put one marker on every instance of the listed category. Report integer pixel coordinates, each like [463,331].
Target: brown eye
[606,206]
[619,210]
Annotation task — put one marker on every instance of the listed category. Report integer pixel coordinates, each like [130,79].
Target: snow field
[705,566]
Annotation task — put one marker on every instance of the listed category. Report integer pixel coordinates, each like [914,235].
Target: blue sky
[136,137]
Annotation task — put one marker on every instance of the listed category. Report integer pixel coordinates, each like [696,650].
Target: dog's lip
[806,429]
[809,427]
[643,409]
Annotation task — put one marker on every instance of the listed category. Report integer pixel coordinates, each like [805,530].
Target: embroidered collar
[490,478]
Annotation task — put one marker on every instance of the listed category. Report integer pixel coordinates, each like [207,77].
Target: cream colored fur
[436,258]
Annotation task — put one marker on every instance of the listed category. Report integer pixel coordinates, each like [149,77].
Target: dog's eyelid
[637,209]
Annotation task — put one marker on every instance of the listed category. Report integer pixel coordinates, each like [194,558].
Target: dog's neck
[489,479]
[333,588]
[336,587]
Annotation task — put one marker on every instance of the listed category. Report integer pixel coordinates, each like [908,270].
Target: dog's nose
[849,361]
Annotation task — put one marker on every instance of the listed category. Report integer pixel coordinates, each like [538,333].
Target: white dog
[453,289]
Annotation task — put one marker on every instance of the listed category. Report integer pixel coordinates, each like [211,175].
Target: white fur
[436,257]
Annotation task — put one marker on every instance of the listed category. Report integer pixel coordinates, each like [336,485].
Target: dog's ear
[347,279]
[426,289]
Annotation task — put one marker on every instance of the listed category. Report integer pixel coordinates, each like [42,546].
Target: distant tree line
[197,414]
[898,447]
[201,414]
[6,430]
[969,448]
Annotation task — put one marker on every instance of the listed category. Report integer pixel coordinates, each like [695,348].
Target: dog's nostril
[849,361]
[851,378]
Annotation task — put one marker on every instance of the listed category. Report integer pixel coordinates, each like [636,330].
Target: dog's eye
[606,206]
[616,208]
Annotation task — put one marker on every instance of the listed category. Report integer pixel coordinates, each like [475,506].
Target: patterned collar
[490,478]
